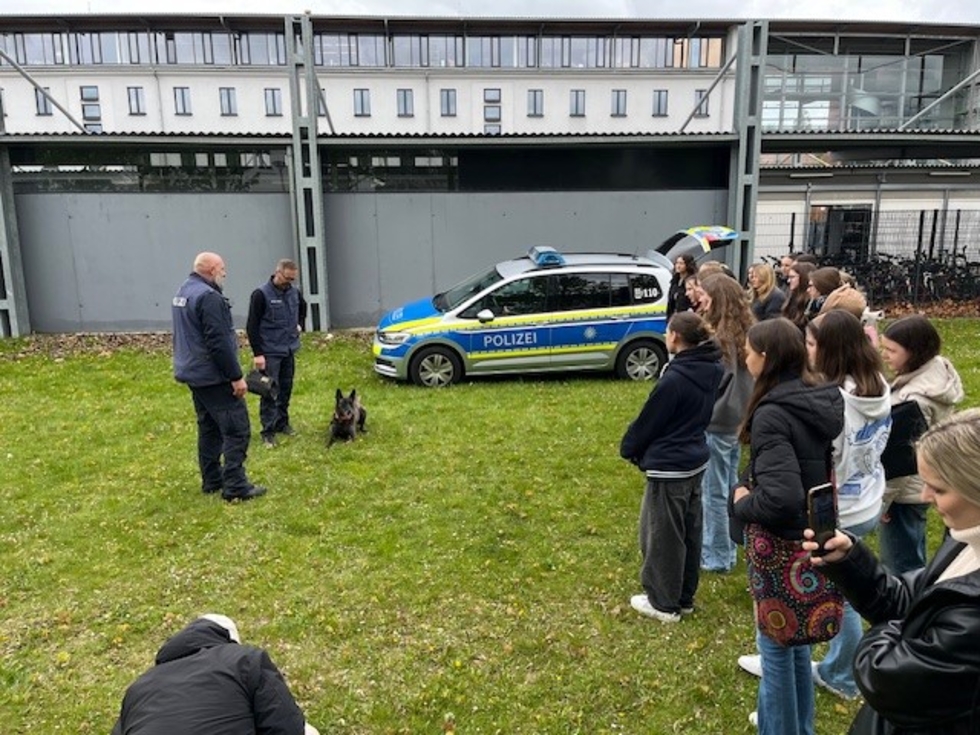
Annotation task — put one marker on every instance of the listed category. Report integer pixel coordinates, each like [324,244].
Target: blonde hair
[767,281]
[952,449]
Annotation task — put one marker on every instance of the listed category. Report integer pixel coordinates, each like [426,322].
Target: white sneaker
[641,603]
[754,719]
[818,680]
[752,664]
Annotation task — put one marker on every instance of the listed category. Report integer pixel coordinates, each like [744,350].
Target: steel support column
[14,320]
[306,189]
[744,171]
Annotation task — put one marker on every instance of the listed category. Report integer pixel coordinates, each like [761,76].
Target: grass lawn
[473,554]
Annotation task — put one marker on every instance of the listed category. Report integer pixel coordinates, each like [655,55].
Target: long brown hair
[796,300]
[844,350]
[780,342]
[729,316]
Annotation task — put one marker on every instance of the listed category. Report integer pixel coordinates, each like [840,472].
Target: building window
[321,103]
[577,103]
[137,100]
[535,103]
[660,103]
[491,95]
[447,102]
[362,103]
[91,109]
[229,105]
[491,113]
[182,100]
[93,127]
[273,102]
[491,129]
[406,103]
[42,102]
[619,103]
[701,102]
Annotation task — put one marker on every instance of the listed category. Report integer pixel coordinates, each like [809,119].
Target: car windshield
[449,300]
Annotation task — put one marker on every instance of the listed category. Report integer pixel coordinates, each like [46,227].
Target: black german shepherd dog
[348,418]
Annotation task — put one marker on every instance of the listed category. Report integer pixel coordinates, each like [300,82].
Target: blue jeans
[717,548]
[786,690]
[902,537]
[837,667]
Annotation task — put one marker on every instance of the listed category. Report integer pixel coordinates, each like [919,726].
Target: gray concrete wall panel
[387,249]
[112,262]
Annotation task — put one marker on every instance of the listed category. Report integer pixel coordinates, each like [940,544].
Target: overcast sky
[937,11]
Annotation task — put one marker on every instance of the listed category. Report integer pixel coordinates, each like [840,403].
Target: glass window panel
[370,50]
[258,48]
[406,103]
[91,111]
[656,53]
[577,103]
[273,102]
[43,104]
[34,47]
[491,95]
[508,51]
[535,102]
[493,129]
[527,51]
[89,93]
[619,103]
[221,48]
[447,102]
[550,52]
[137,100]
[445,51]
[491,113]
[660,103]
[578,50]
[109,48]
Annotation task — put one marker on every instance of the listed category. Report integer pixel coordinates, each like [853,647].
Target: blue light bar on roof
[544,256]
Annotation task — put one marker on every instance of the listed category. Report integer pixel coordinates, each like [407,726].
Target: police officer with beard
[276,312]
[206,360]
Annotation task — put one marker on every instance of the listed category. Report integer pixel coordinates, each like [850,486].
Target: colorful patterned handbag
[795,604]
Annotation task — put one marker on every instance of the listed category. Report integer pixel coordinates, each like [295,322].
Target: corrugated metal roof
[174,137]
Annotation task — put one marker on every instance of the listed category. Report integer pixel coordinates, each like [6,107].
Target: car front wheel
[435,367]
[641,360]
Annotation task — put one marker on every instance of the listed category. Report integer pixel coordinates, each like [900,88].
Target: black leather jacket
[918,666]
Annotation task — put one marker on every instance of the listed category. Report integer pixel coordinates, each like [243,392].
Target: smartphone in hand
[822,512]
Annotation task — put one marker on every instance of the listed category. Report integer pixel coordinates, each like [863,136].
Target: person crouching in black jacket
[918,665]
[205,683]
[667,442]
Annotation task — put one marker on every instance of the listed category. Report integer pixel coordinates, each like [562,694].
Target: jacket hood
[937,380]
[870,408]
[819,407]
[700,364]
[195,637]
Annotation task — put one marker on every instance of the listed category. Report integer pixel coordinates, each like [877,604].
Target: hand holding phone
[822,512]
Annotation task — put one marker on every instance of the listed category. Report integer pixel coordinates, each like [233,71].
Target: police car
[544,312]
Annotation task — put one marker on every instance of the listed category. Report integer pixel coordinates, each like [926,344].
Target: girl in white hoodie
[910,347]
[842,353]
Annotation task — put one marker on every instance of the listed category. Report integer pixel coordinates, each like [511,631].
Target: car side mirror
[484,316]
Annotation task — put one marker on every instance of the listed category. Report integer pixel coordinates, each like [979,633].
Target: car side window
[523,296]
[619,284]
[645,288]
[582,291]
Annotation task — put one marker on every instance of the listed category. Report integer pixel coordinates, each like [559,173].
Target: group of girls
[795,397]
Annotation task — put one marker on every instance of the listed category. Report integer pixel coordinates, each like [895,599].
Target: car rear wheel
[641,360]
[435,367]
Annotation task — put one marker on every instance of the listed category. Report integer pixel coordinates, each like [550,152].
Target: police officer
[276,313]
[206,359]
